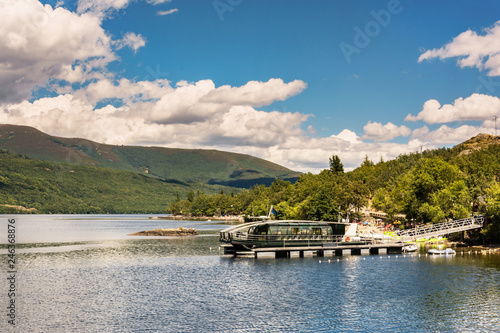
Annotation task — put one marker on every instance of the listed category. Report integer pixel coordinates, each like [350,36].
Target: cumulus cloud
[109,109]
[256,93]
[156,110]
[131,40]
[34,48]
[446,135]
[377,132]
[472,50]
[305,153]
[477,107]
[125,90]
[186,103]
[162,114]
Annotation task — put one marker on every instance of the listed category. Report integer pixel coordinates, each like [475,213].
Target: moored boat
[440,252]
[283,233]
[410,247]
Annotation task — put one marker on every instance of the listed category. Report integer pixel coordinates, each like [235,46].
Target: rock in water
[180,231]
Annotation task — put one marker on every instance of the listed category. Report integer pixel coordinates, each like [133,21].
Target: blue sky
[289,81]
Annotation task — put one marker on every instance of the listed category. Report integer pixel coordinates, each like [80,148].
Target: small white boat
[447,251]
[410,247]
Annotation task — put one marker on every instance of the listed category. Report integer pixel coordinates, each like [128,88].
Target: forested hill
[34,186]
[188,166]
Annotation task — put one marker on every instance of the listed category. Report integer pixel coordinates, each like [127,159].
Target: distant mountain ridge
[180,165]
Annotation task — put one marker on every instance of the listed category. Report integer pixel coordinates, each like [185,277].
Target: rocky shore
[180,231]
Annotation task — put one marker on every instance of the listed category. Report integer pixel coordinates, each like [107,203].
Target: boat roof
[305,223]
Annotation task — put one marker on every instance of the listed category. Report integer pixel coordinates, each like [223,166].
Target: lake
[82,273]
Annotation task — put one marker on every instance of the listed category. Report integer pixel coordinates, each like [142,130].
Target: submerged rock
[180,231]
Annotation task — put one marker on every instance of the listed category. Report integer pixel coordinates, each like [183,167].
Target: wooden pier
[327,250]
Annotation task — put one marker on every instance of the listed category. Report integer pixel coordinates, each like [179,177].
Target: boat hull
[442,252]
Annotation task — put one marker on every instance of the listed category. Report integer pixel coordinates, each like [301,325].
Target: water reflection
[182,284]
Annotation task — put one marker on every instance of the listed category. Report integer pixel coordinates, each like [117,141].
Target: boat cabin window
[306,230]
[259,230]
[316,231]
[339,229]
[277,230]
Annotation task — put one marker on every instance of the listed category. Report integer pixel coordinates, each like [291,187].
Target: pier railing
[440,229]
[307,240]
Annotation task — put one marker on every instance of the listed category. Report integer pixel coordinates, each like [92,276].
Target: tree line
[431,186]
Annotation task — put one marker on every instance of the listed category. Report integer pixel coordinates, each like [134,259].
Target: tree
[492,231]
[431,191]
[367,162]
[190,196]
[336,165]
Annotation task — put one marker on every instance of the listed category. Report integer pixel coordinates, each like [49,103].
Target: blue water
[86,275]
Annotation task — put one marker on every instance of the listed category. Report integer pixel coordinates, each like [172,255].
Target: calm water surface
[84,274]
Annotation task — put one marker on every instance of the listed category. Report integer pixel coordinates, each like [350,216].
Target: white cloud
[185,114]
[347,136]
[154,107]
[304,153]
[131,40]
[472,50]
[476,107]
[156,113]
[446,135]
[100,8]
[187,103]
[166,12]
[34,48]
[157,2]
[256,93]
[125,90]
[377,132]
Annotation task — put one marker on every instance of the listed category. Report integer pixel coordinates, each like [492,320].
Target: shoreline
[229,218]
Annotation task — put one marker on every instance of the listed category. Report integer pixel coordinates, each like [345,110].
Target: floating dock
[290,238]
[326,250]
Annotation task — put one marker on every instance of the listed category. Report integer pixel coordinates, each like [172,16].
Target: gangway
[440,229]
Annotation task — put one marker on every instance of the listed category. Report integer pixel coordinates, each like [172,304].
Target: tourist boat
[410,247]
[447,251]
[286,233]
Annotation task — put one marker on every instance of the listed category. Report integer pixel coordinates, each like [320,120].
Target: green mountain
[185,166]
[31,185]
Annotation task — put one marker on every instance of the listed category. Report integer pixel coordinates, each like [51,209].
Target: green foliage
[336,165]
[51,187]
[312,197]
[430,186]
[492,230]
[430,182]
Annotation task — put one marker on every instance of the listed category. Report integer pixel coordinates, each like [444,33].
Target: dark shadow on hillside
[248,183]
